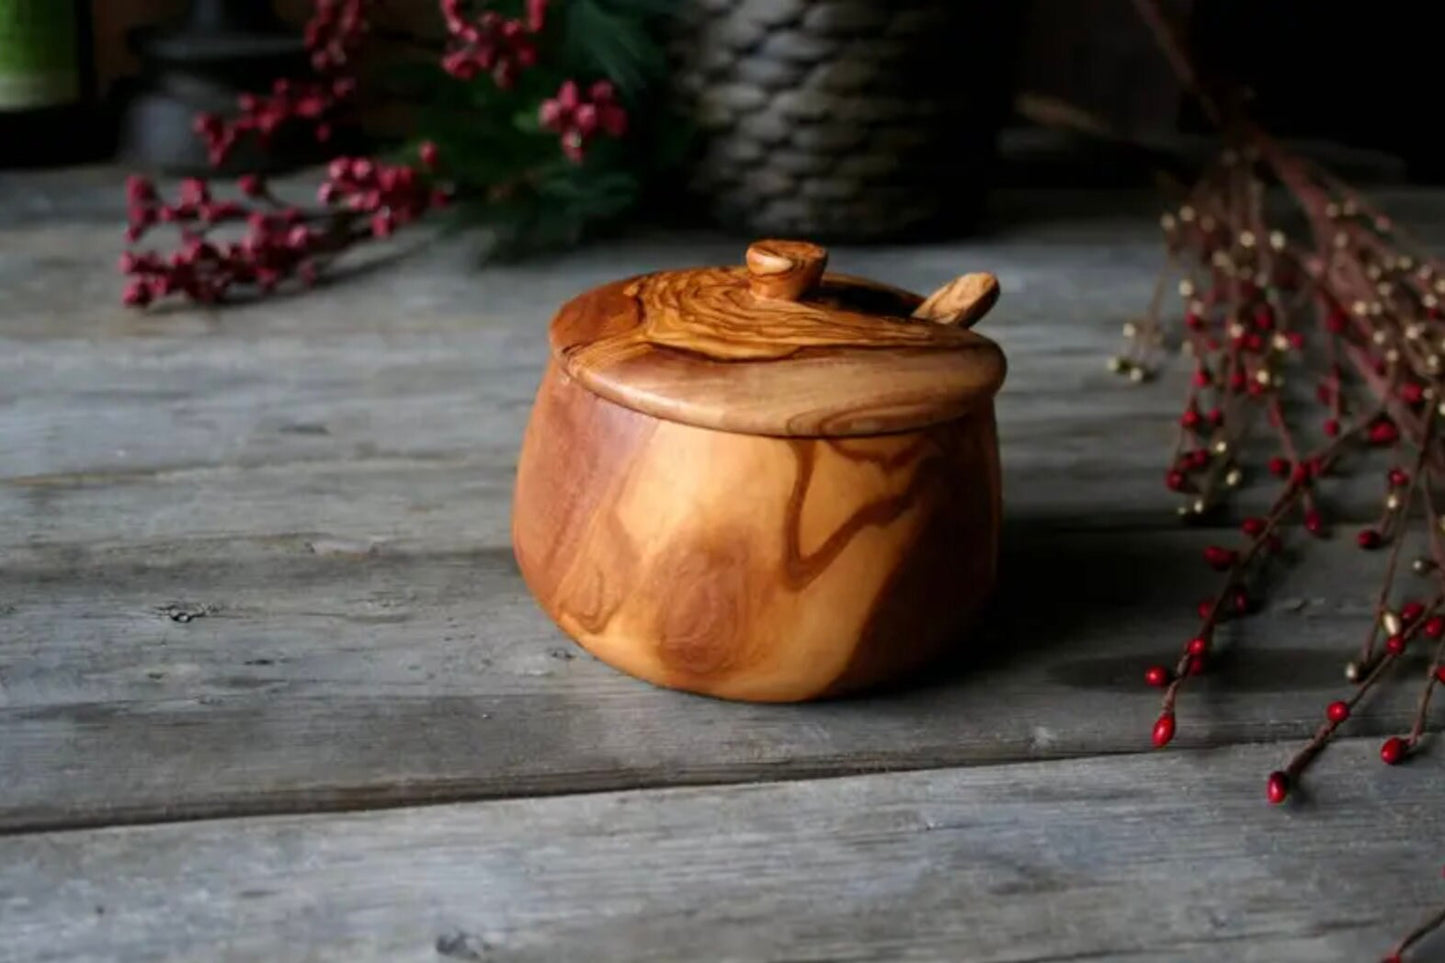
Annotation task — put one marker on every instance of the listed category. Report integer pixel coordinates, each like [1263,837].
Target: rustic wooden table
[271,688]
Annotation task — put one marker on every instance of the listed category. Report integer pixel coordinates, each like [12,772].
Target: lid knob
[784,270]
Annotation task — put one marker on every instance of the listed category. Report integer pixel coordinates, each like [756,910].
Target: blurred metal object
[218,50]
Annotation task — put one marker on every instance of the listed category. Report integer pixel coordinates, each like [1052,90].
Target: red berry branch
[488,42]
[254,241]
[577,120]
[1350,305]
[360,198]
[334,35]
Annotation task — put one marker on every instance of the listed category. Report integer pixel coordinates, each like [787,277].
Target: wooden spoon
[961,301]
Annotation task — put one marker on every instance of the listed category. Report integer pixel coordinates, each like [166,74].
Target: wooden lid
[781,348]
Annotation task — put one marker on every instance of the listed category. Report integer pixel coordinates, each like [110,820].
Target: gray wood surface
[1165,857]
[328,677]
[255,561]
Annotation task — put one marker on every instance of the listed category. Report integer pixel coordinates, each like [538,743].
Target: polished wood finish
[961,301]
[784,270]
[845,358]
[769,483]
[749,567]
[765,483]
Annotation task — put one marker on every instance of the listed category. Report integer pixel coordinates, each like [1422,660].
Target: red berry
[1220,558]
[1395,644]
[1201,378]
[1157,675]
[1198,645]
[1392,750]
[428,154]
[1190,419]
[1216,417]
[1336,320]
[1440,674]
[1314,523]
[1398,478]
[1193,322]
[1434,626]
[1175,480]
[1368,539]
[1338,711]
[1332,427]
[139,189]
[1410,612]
[1412,393]
[1383,432]
[1196,665]
[1253,526]
[1163,730]
[251,185]
[1263,317]
[1242,602]
[137,294]
[1276,789]
[1238,382]
[1279,467]
[1204,608]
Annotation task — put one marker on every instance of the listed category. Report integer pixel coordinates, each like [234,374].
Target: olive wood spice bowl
[765,483]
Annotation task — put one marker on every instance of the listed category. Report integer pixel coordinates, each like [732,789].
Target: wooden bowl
[770,483]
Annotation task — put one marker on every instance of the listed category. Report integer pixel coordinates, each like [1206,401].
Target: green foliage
[511,173]
[615,39]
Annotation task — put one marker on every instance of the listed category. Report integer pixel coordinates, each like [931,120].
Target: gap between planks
[1169,856]
[339,682]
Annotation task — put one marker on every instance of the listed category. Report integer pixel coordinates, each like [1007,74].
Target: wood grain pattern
[704,348]
[784,270]
[1153,858]
[333,475]
[748,567]
[328,477]
[707,547]
[961,301]
[332,673]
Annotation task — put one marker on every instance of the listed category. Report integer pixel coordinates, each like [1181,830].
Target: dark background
[1363,76]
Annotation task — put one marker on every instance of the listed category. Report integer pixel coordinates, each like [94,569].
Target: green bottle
[45,78]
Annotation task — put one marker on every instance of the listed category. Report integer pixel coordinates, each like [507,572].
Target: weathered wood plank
[1157,858]
[330,674]
[333,473]
[427,368]
[432,361]
[429,359]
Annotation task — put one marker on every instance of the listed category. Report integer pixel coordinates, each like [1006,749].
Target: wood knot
[784,270]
